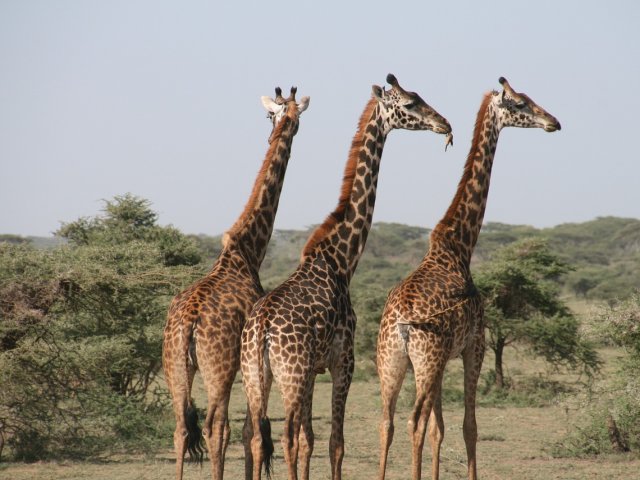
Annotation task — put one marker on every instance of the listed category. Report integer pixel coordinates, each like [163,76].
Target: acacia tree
[126,219]
[522,304]
[81,332]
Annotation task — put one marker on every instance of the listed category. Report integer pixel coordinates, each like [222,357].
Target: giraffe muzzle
[553,127]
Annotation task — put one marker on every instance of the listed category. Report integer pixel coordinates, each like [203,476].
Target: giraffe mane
[347,182]
[448,219]
[253,199]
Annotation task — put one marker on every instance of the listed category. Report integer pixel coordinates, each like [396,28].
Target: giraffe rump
[347,182]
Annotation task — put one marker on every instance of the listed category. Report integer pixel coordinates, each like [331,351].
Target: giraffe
[205,321]
[436,313]
[306,324]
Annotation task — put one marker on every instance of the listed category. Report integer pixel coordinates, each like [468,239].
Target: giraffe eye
[520,105]
[410,105]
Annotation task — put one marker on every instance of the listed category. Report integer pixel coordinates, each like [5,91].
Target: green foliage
[81,333]
[616,401]
[558,340]
[208,247]
[128,218]
[527,391]
[621,324]
[523,305]
[603,252]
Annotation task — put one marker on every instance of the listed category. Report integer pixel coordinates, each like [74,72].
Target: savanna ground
[514,442]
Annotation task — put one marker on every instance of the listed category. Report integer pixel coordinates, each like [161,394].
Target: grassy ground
[515,442]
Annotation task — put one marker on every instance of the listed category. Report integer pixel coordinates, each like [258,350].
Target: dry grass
[514,443]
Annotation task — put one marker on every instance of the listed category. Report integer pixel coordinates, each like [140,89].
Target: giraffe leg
[436,434]
[252,436]
[428,377]
[180,436]
[216,428]
[341,376]
[294,397]
[306,438]
[392,363]
[179,380]
[417,429]
[472,358]
[247,435]
[253,465]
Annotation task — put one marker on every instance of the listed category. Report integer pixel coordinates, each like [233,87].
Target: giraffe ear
[377,92]
[270,105]
[303,104]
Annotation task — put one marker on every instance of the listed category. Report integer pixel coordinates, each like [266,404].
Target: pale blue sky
[161,99]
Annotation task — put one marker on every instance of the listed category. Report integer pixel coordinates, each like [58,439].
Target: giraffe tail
[194,434]
[267,446]
[265,423]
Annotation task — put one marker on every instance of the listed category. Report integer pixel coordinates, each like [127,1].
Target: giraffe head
[518,110]
[277,108]
[407,110]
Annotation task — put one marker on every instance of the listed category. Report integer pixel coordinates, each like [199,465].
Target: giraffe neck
[459,229]
[252,230]
[342,236]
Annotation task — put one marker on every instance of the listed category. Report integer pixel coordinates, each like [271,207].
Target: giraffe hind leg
[216,424]
[294,410]
[436,434]
[306,437]
[179,375]
[341,376]
[392,363]
[428,378]
[472,358]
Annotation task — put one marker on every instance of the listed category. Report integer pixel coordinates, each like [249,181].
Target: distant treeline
[604,253]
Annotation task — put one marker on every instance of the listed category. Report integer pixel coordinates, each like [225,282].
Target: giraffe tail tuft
[194,435]
[267,446]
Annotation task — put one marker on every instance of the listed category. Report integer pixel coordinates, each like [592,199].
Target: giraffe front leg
[472,360]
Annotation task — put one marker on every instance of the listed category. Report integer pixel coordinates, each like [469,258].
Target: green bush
[81,335]
[610,419]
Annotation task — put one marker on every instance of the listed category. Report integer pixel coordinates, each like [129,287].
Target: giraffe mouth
[442,129]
